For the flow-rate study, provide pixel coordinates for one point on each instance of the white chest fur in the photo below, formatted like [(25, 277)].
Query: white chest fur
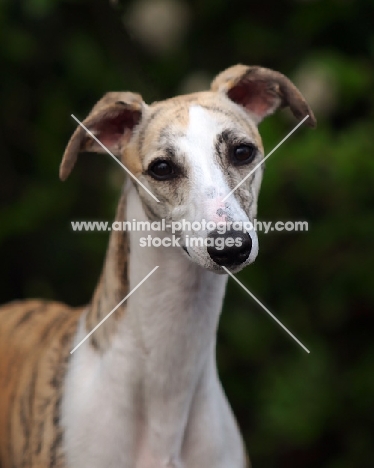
[(153, 400)]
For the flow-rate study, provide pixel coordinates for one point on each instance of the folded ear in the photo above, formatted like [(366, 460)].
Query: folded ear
[(261, 91), (112, 121)]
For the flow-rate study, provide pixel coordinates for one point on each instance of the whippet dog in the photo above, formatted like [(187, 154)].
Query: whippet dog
[(143, 391)]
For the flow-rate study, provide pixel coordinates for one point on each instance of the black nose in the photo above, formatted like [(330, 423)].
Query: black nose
[(231, 248)]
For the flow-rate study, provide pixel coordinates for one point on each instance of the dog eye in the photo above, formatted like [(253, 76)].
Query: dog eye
[(161, 170), (243, 154)]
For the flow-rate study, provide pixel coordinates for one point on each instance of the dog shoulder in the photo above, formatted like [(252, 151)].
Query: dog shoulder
[(35, 340)]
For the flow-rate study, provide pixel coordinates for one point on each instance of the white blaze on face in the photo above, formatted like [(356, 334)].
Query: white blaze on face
[(199, 148), (207, 181)]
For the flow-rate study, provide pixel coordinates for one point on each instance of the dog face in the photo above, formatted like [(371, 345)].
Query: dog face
[(191, 152), (194, 150)]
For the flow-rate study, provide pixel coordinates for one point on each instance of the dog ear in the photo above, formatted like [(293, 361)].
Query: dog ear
[(112, 121), (261, 91)]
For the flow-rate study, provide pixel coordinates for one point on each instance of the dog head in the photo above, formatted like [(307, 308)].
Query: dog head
[(191, 151)]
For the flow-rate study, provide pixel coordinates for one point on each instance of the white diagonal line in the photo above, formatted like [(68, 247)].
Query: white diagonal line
[(262, 162), (111, 154), (266, 310), (116, 307)]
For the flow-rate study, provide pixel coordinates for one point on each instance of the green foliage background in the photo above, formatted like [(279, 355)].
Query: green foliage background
[(59, 57)]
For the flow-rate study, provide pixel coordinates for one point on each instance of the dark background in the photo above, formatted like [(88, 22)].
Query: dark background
[(59, 57)]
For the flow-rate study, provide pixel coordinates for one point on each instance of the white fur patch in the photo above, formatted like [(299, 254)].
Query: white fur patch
[(158, 404), (208, 184), (198, 145)]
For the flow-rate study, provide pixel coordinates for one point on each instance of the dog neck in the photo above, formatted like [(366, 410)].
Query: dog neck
[(167, 329), (178, 282)]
